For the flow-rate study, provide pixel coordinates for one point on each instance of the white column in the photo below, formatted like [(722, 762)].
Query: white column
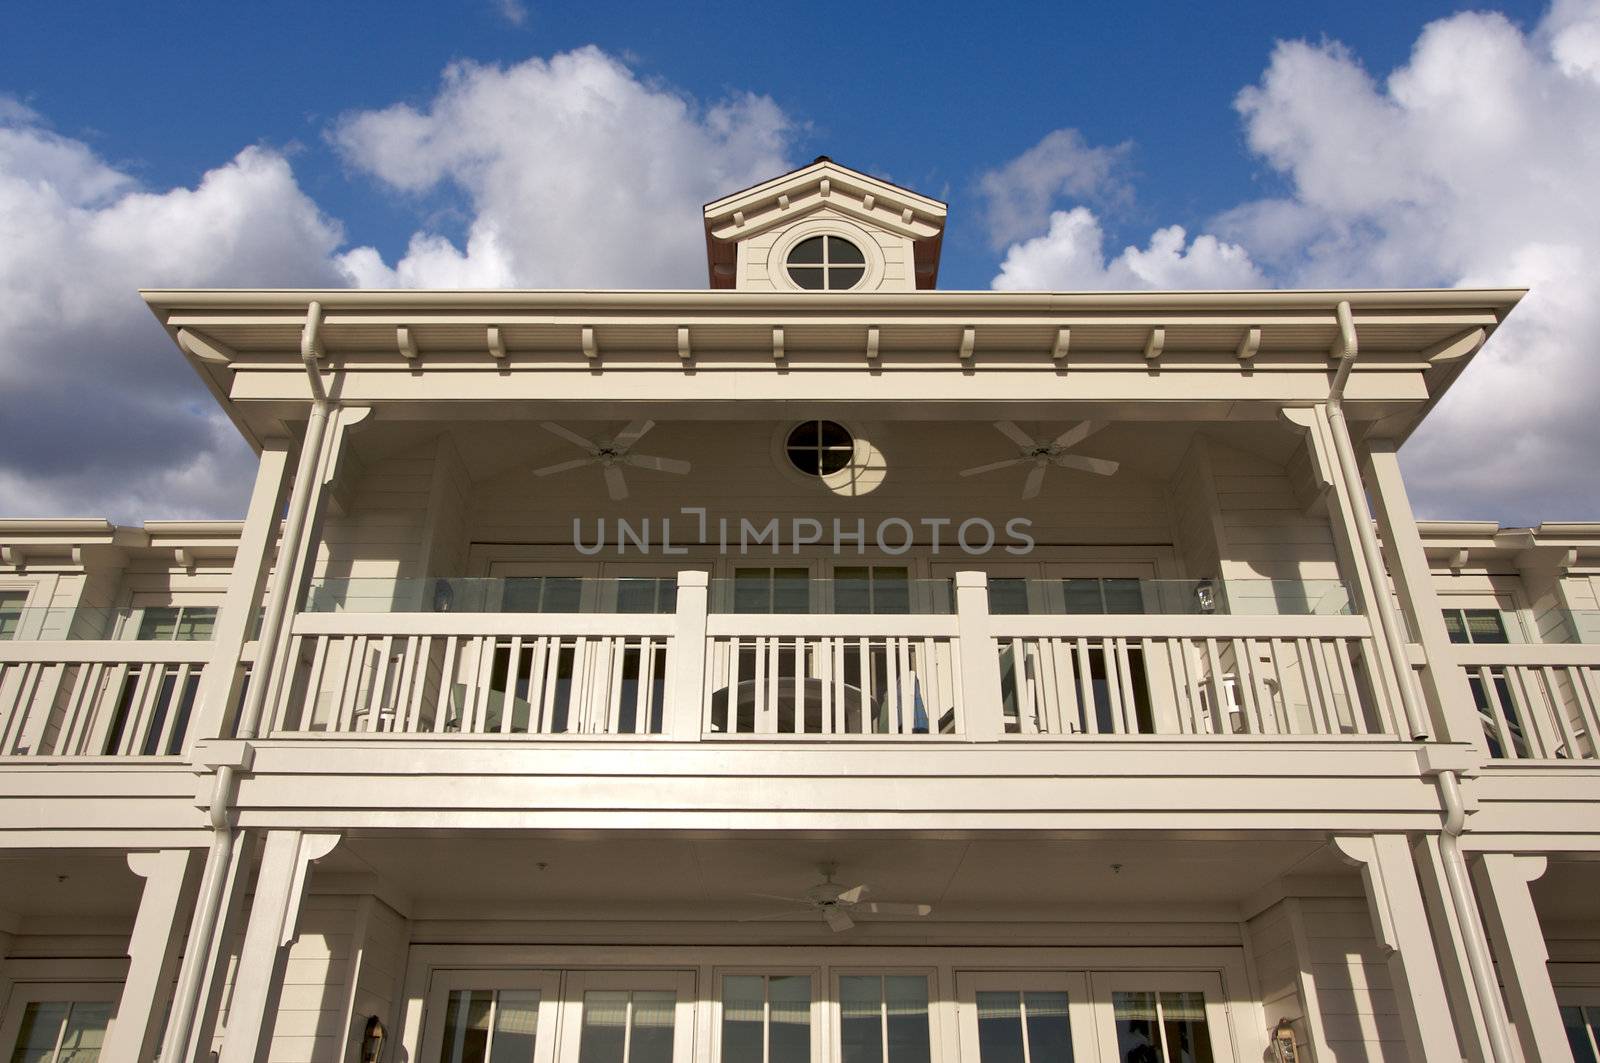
[(1452, 949), (153, 949), (1519, 951), (686, 660), (220, 682), (1400, 923), (274, 917), (1443, 683), (980, 660)]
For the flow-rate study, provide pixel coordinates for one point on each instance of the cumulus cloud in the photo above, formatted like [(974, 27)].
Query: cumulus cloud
[(1071, 255), (1018, 196), (1472, 164), (575, 173), (102, 417)]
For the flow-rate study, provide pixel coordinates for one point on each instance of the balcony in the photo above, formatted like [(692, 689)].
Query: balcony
[(101, 682), (922, 661)]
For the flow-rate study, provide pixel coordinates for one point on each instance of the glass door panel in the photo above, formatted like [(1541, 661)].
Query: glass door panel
[(885, 1018), (56, 1023), (766, 1018), (1024, 1017), (1161, 1018), (491, 1017), (627, 1017)]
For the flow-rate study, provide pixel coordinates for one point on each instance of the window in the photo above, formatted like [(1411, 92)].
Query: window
[(189, 623), (766, 1018), (1161, 1027), (1476, 626), (61, 1031), (490, 1024), (771, 590), (820, 448), (826, 263), (627, 1026), (884, 1019), (872, 589), (11, 613), (1583, 1031), (1105, 596)]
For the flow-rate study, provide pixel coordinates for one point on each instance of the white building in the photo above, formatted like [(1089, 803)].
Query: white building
[(1071, 662)]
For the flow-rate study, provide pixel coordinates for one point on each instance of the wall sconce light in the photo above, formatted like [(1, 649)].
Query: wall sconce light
[(1285, 1049), (372, 1040)]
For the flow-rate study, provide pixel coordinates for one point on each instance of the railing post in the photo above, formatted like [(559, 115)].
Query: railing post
[(686, 659), (979, 655)]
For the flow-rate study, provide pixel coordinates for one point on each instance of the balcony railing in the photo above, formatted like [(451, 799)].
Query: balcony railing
[(1536, 702), (869, 659), (73, 698)]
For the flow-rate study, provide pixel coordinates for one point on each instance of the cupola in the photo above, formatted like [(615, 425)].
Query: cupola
[(824, 228)]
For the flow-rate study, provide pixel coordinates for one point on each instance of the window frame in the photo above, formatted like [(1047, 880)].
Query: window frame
[(445, 982), (825, 264), (1081, 1013), (864, 240), (836, 1013), (24, 993), (819, 1006)]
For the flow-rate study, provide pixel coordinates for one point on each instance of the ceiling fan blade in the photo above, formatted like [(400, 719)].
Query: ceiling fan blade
[(649, 461), (1077, 434), (852, 895), (1099, 466), (1035, 480), (563, 466), (1016, 435), (632, 434), (992, 466), (616, 484), (896, 908), (837, 920), (570, 436)]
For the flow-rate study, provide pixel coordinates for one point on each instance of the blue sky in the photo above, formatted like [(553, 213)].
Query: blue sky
[(1137, 145), (931, 96)]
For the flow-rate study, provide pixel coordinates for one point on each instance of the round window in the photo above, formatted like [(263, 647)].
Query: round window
[(819, 448), (826, 263)]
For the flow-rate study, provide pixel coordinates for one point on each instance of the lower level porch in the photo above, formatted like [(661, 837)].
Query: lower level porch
[(799, 947)]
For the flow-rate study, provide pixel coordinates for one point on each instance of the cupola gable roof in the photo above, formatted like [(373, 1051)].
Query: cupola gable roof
[(752, 235)]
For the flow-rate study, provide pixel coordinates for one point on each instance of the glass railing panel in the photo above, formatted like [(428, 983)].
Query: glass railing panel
[(152, 624), (782, 591), (1075, 596), (510, 594)]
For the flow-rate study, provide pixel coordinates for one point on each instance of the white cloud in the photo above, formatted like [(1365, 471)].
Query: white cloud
[(101, 416), (1018, 195), (1473, 164), (513, 11), (576, 172), (1071, 256)]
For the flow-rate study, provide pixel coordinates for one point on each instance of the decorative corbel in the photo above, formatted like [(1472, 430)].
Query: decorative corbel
[(1063, 340), (685, 352), (1154, 344), (872, 343), (497, 343), (406, 342), (15, 556), (969, 340), (590, 349), (777, 343), (869, 201), (205, 348), (1457, 347), (1249, 344)]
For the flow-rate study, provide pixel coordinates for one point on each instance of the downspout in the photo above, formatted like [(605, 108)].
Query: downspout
[(1484, 984), (1388, 620), (224, 837)]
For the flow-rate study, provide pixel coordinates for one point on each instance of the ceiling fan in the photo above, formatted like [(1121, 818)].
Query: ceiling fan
[(611, 455), (837, 904), (1044, 455)]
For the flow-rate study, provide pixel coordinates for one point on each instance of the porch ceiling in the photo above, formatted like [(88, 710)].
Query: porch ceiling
[(683, 877)]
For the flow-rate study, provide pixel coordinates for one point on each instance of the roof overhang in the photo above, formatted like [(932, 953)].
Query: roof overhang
[(1149, 351)]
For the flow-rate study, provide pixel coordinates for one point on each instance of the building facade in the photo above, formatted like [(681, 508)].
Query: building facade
[(816, 668)]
